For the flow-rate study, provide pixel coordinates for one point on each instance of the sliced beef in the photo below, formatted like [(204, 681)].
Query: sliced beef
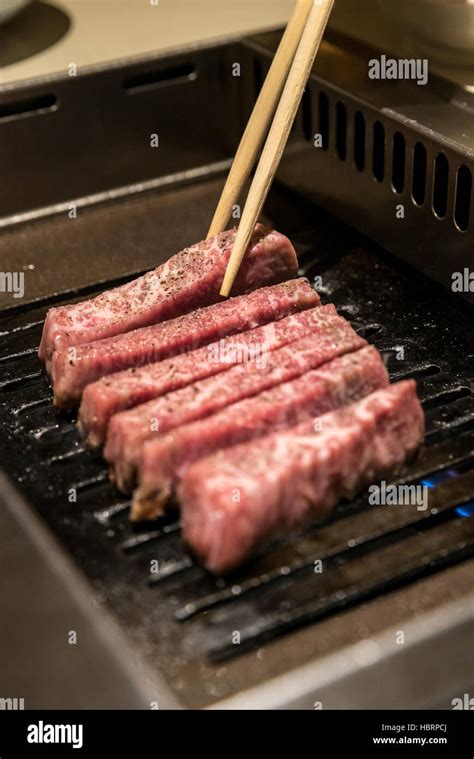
[(72, 369), (129, 430), (190, 279), (236, 499), (165, 460), (125, 390)]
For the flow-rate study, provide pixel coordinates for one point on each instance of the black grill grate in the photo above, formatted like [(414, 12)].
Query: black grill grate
[(179, 614)]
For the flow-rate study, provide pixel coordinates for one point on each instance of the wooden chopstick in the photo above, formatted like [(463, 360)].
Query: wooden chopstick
[(262, 114), (278, 135)]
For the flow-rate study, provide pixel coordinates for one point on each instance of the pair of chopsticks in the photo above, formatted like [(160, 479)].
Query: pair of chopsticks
[(280, 95)]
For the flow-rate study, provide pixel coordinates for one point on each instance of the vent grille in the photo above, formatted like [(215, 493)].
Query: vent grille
[(338, 124)]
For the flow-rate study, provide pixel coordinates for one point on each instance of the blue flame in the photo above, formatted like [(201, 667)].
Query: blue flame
[(467, 510), (437, 479)]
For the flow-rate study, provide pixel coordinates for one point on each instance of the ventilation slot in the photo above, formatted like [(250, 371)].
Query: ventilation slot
[(257, 77), (440, 186), (152, 80), (463, 198), (341, 131), (29, 107), (359, 141), (378, 157), (307, 120), (324, 119), (418, 189), (398, 162)]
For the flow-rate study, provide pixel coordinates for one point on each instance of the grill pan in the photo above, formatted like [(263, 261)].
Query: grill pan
[(383, 566), (180, 616)]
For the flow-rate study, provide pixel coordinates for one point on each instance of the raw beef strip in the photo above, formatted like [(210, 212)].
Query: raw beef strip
[(129, 430), (286, 478), (127, 389), (72, 369), (190, 279), (164, 461)]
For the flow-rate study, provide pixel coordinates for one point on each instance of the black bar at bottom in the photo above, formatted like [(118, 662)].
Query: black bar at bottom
[(132, 733)]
